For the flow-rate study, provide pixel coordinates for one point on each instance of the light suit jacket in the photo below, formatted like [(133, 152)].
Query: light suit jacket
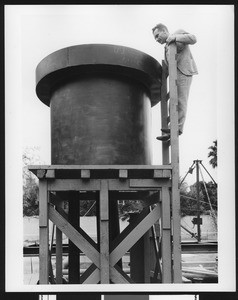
[(185, 61)]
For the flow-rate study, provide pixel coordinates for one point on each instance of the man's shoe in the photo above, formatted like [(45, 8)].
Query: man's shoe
[(164, 137), (165, 130)]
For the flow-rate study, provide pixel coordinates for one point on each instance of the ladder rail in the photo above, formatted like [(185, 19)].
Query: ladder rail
[(170, 153)]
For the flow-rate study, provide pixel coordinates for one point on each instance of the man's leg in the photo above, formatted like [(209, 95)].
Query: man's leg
[(184, 83)]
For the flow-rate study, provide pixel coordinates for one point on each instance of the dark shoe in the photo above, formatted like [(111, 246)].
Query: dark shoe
[(164, 137), (165, 130)]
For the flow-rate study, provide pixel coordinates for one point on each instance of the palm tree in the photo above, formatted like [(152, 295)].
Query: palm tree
[(213, 154)]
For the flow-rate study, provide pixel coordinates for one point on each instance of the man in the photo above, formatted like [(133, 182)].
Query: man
[(186, 68)]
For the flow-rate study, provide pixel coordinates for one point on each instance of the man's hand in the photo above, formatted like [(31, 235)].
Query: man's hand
[(171, 38)]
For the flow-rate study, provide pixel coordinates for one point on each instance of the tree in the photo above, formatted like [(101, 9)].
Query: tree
[(213, 154), (30, 182), (207, 197)]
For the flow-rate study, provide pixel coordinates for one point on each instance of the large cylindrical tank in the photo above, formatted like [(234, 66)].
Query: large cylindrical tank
[(100, 98)]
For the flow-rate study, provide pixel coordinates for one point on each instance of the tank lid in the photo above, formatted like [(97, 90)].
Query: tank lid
[(98, 58)]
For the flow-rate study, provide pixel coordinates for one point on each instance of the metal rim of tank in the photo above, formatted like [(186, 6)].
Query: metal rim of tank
[(98, 58)]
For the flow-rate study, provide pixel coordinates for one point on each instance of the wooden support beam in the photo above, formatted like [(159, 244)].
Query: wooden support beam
[(50, 174), (85, 174), (76, 237), (140, 252), (59, 248), (91, 275), (74, 254), (74, 185), (118, 276), (164, 111), (104, 233), (149, 183), (138, 184), (56, 200), (132, 234), (44, 233), (166, 238), (123, 173), (177, 271), (158, 173)]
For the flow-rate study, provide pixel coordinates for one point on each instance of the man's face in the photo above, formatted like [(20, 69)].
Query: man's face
[(160, 36)]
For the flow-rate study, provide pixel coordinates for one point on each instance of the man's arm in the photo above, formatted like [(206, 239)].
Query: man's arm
[(185, 38), (182, 36)]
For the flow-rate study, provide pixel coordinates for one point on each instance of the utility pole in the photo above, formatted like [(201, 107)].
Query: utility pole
[(198, 221)]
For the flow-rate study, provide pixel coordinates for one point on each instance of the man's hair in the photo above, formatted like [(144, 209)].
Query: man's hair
[(160, 27)]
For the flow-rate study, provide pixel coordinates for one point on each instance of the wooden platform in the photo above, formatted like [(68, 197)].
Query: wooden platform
[(99, 183)]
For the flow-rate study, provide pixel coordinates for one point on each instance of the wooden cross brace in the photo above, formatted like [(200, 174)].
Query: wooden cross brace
[(104, 266)]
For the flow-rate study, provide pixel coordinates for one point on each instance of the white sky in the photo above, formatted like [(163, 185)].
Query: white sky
[(33, 32)]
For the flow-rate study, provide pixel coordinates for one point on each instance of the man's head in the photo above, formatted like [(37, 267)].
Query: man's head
[(161, 33)]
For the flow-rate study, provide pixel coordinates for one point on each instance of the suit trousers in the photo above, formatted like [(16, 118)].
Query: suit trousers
[(183, 87)]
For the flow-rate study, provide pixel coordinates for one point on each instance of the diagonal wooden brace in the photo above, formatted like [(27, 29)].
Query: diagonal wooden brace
[(134, 234), (75, 236)]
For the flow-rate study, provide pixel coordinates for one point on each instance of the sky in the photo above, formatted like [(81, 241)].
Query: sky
[(32, 32)]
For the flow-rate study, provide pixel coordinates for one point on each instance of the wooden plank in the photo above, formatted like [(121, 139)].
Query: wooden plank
[(166, 238), (91, 275), (146, 242), (59, 249), (43, 203), (59, 256), (123, 173), (167, 173), (134, 235), (76, 237), (177, 272), (97, 167), (104, 233), (74, 254), (137, 184), (74, 185), (50, 174), (130, 195), (149, 183), (44, 255), (43, 234), (164, 111), (41, 174), (158, 173), (134, 222), (85, 173), (118, 276)]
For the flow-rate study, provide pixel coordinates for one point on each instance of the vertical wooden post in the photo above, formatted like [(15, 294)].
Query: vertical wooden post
[(74, 253), (146, 241), (166, 237), (140, 257), (44, 233), (114, 223), (104, 233), (164, 111), (59, 245), (177, 272)]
